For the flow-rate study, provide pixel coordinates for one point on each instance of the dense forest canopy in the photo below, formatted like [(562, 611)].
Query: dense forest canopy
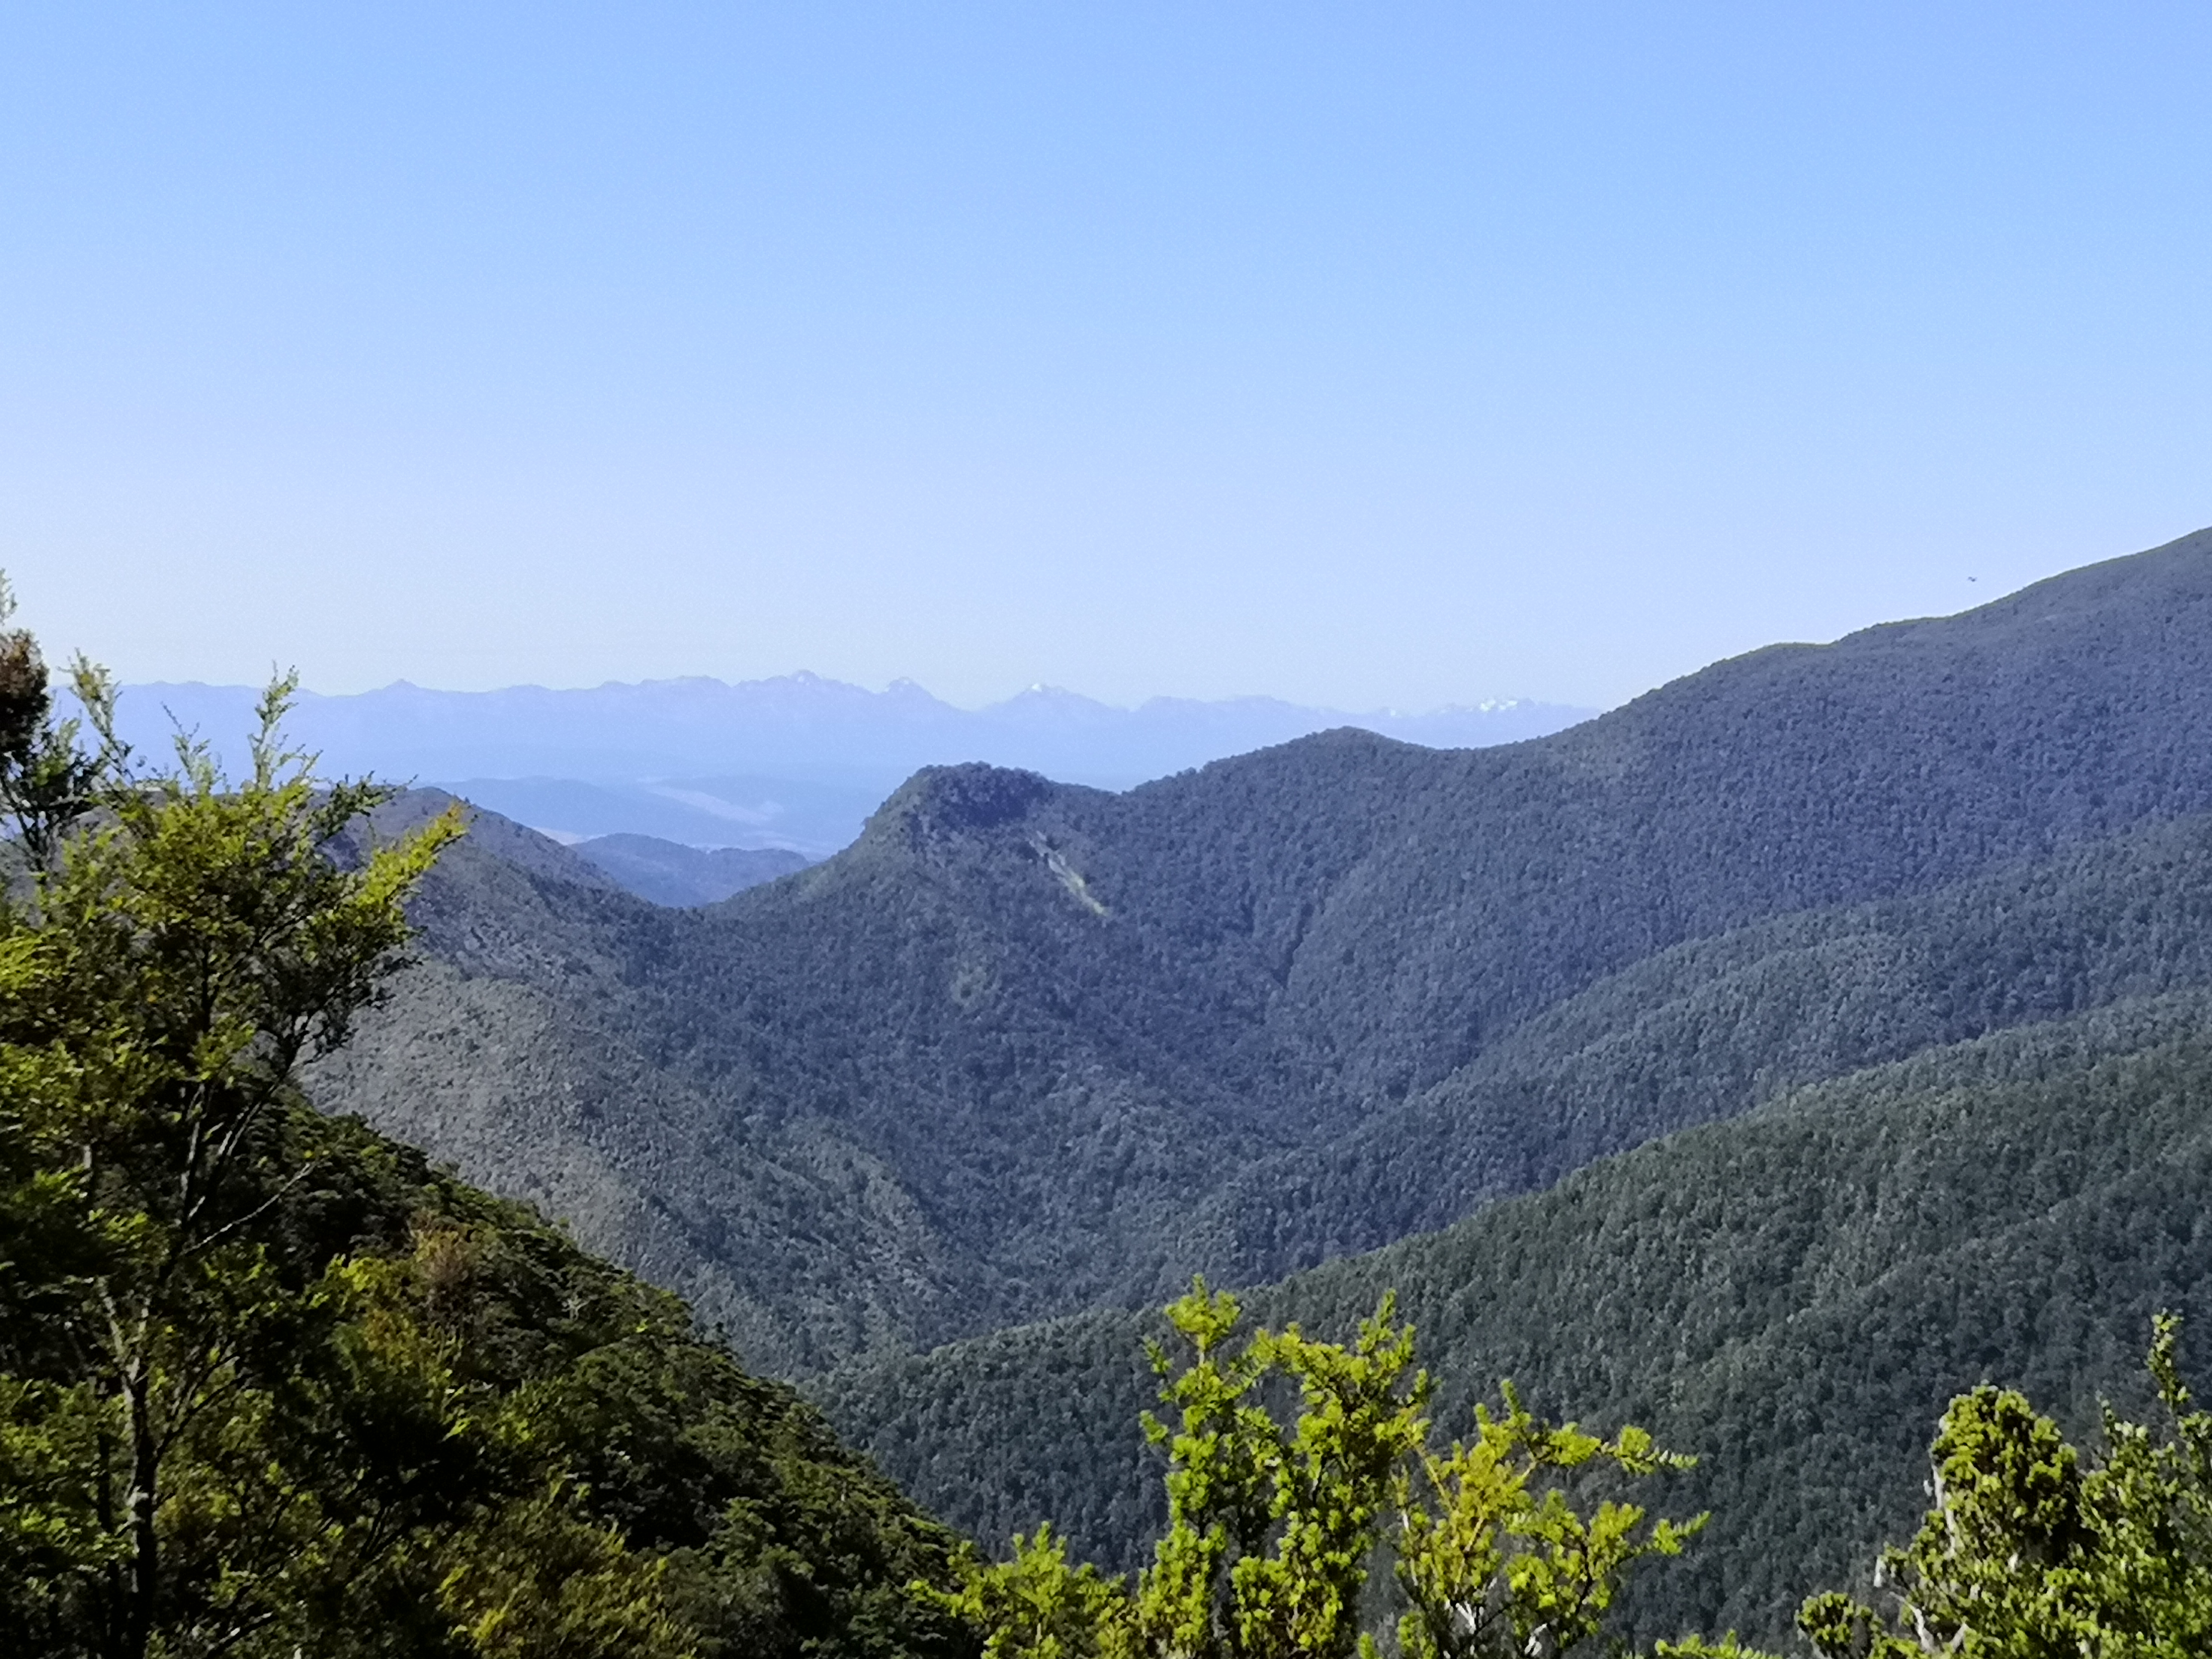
[(1312, 1512), (1790, 1296)]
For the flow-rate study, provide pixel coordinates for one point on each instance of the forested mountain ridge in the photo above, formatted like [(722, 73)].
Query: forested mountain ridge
[(525, 1046), (1007, 1055), (1710, 1028), (1791, 1296)]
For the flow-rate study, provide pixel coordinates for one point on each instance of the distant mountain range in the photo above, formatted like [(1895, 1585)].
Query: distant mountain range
[(794, 762)]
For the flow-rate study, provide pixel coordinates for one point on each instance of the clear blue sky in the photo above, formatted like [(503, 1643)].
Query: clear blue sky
[(1365, 354)]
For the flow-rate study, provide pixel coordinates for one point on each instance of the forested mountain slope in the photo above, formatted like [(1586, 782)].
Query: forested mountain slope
[(1710, 1028), (1792, 1296), (1009, 1054), (770, 1537), (529, 1048)]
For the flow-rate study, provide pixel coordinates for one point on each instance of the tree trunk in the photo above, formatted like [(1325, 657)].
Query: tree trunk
[(145, 1546), (111, 1604)]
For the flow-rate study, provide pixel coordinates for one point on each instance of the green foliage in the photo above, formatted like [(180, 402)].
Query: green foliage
[(186, 943), (1269, 1534), (268, 1384), (1791, 1296), (2032, 1549), (1505, 1567), (1273, 1530), (48, 779), (1038, 1606)]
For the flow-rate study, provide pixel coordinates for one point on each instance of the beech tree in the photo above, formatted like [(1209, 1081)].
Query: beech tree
[(180, 944), (207, 1445), (1278, 1515), (2033, 1548)]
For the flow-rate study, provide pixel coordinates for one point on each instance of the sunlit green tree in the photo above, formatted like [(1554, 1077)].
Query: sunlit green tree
[(211, 1441), (1294, 1467), (2033, 1548)]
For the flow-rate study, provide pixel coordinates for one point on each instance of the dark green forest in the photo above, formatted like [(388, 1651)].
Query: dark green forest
[(1791, 1296), (1709, 1029), (577, 1415)]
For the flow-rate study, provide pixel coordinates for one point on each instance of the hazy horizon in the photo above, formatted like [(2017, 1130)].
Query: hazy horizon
[(794, 762), (880, 689)]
